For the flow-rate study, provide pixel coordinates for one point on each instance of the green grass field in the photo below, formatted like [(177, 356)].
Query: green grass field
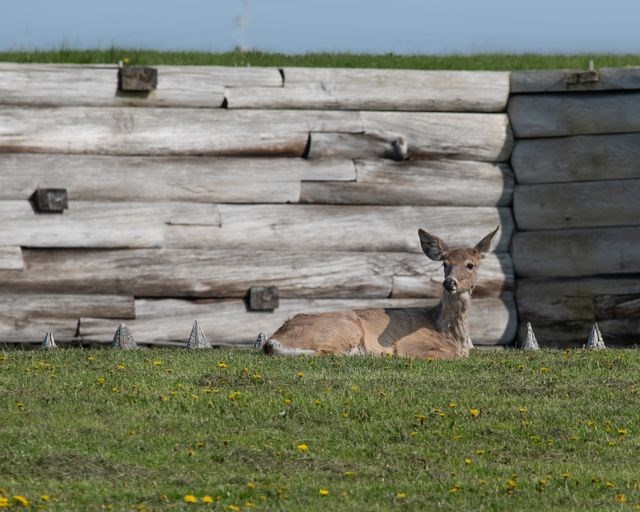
[(231, 429), (471, 62)]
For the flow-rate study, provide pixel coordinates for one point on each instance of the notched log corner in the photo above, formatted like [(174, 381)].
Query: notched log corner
[(139, 80)]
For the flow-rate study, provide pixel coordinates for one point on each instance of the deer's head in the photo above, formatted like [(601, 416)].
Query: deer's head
[(460, 264)]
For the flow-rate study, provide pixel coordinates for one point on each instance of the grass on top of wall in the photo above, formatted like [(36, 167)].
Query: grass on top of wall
[(495, 61), (233, 430)]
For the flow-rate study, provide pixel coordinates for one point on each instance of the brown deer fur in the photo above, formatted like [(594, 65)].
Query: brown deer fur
[(438, 332)]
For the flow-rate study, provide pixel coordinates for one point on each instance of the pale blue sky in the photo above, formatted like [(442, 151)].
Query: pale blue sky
[(299, 26)]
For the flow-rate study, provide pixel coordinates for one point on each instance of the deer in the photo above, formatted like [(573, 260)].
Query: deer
[(438, 332)]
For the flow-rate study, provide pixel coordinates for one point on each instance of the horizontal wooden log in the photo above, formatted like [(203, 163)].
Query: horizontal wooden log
[(576, 252), (421, 183), (574, 334), (484, 137), (577, 205), (167, 131), (343, 227), (33, 328), (493, 321), (560, 80), (555, 115), (618, 306), (192, 179), (347, 145), (22, 307), (580, 158), (101, 225), (185, 86), (375, 89), (230, 273), (11, 258), (495, 277), (590, 299)]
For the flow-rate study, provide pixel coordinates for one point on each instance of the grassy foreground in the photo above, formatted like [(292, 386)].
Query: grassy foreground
[(234, 430), (498, 61)]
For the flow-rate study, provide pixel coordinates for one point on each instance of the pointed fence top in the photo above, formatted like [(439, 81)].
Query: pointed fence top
[(49, 342), (197, 338), (595, 340), (260, 341), (530, 342), (123, 339)]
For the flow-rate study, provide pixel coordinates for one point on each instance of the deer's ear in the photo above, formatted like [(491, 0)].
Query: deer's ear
[(484, 245), (432, 246)]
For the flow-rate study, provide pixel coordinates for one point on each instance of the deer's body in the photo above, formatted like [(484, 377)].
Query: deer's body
[(438, 332)]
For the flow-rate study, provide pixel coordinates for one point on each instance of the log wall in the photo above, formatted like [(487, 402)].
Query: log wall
[(182, 199), (576, 204)]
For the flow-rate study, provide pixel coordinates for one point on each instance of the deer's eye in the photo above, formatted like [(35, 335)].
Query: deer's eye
[(470, 266)]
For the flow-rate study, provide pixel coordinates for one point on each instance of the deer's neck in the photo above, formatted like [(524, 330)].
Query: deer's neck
[(451, 317)]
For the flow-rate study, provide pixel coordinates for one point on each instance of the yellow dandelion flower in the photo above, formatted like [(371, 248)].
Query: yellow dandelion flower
[(610, 485), (232, 508), (251, 485), (480, 451), (522, 409), (544, 369), (222, 364), (622, 431), (100, 381), (157, 363), (511, 483), (300, 374), (125, 61), (190, 498), (21, 500), (288, 401), (249, 504), (4, 502), (45, 497), (455, 489), (621, 498), (304, 448), (91, 359), (348, 473), (121, 366), (355, 388), (207, 499), (19, 405), (468, 461), (566, 474), (324, 492), (453, 405), (401, 495), (474, 412), (234, 395)]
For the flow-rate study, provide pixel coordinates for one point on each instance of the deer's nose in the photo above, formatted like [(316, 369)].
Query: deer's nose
[(450, 284)]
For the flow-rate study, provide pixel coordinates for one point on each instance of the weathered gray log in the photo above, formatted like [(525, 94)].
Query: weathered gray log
[(123, 339), (343, 227), (22, 307), (49, 342), (560, 80), (375, 89), (193, 179), (580, 158), (197, 338), (618, 333), (410, 280), (595, 341), (30, 328), (421, 182), (493, 321), (530, 342), (484, 137), (555, 115), (617, 306), (170, 131), (577, 205), (348, 145), (101, 225), (11, 258), (230, 273), (579, 252), (46, 85), (589, 299)]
